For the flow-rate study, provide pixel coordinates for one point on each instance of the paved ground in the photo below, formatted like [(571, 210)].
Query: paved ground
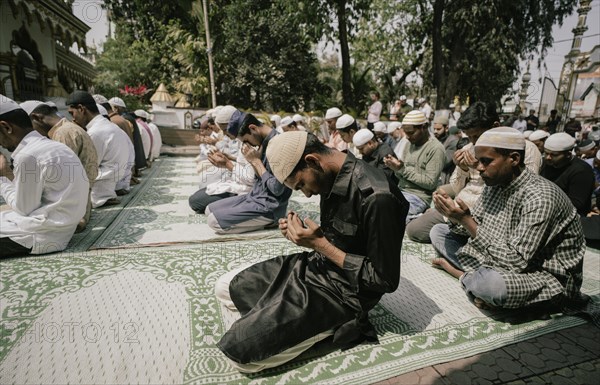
[(570, 356)]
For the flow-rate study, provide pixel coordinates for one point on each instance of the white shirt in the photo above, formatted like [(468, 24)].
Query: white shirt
[(125, 182), (374, 112), (426, 109), (453, 118), (520, 125), (48, 195), (400, 147), (113, 148), (147, 138), (157, 142), (240, 180)]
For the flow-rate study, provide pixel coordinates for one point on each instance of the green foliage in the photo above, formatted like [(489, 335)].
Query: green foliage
[(337, 20), (169, 55), (264, 49), (395, 43), (475, 54), (263, 59), (143, 19), (125, 61), (481, 58)]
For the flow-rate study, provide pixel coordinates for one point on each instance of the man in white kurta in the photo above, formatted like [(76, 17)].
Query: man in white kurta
[(47, 189), (114, 153), (112, 146), (146, 137), (157, 142)]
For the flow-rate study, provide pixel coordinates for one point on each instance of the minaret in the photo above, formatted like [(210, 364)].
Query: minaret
[(523, 93), (566, 84)]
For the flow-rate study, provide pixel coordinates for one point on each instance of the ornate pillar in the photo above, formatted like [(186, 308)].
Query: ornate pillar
[(566, 85), (523, 93)]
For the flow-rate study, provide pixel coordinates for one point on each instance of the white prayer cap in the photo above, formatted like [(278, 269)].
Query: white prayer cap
[(362, 136), (440, 119), (284, 153), (451, 105), (116, 101), (99, 99), (298, 118), (102, 110), (7, 105), (344, 121), (333, 113), (414, 118), (403, 97), (586, 145), (51, 104), (141, 114), (502, 137), (30, 105), (275, 118), (559, 142), (224, 114), (538, 134), (379, 127), (286, 121), (421, 100), (393, 126), (527, 133)]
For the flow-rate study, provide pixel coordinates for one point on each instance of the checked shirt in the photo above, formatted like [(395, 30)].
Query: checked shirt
[(531, 234)]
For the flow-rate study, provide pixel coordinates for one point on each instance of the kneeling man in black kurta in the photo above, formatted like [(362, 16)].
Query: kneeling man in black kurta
[(291, 302)]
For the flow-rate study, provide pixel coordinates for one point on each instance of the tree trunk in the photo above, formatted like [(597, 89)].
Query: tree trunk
[(439, 77), (343, 36)]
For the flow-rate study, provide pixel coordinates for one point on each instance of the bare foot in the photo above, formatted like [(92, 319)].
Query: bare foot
[(482, 304), (444, 264)]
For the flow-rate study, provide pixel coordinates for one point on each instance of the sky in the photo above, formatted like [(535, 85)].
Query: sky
[(91, 12)]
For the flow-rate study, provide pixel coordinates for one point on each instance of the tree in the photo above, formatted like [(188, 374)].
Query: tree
[(155, 42), (458, 47), (324, 15), (263, 58), (393, 42), (480, 59), (142, 19)]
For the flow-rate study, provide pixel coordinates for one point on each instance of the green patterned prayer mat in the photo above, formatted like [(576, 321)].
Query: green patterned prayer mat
[(102, 217), (159, 214), (149, 315)]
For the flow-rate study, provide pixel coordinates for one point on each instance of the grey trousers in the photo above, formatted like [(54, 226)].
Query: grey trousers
[(418, 229)]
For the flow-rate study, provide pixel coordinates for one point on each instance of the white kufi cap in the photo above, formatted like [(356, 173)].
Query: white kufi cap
[(286, 121), (344, 121), (559, 142), (538, 134), (362, 136), (284, 153), (30, 105), (223, 115), (379, 127), (116, 101), (333, 113), (7, 105), (502, 137)]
